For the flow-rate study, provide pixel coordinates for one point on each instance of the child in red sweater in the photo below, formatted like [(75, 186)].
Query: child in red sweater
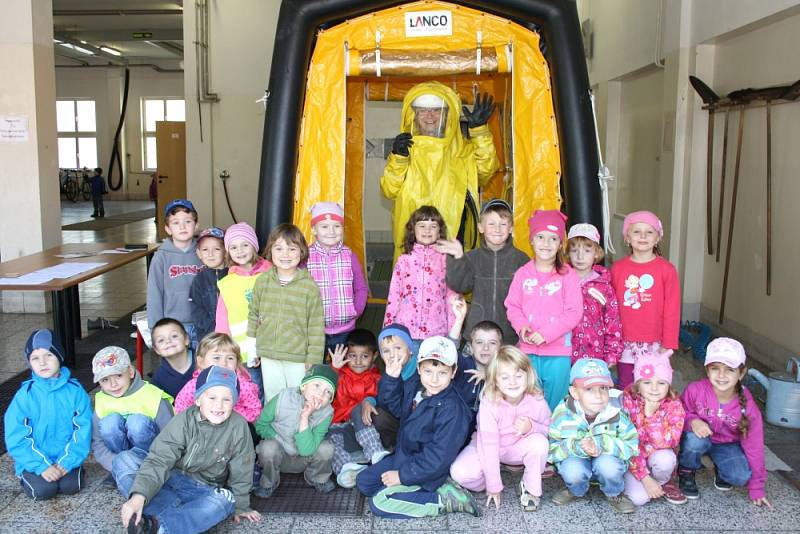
[(355, 444), (648, 291)]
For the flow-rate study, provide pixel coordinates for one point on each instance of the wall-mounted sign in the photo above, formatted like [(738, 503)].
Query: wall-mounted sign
[(13, 129), (427, 23), (142, 35)]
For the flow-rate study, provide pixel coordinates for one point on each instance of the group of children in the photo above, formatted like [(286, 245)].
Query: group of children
[(545, 343)]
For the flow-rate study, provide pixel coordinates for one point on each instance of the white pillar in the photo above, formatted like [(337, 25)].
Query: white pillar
[(30, 211)]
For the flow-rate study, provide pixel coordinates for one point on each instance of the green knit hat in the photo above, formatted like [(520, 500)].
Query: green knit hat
[(322, 372)]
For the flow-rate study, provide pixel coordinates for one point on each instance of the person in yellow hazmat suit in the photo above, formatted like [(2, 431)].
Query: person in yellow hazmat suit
[(433, 163)]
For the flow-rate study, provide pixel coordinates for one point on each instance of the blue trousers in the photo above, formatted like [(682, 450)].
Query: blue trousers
[(396, 502), (331, 340), (732, 464), (183, 504), (122, 433), (258, 380), (606, 469), (39, 489), (553, 373)]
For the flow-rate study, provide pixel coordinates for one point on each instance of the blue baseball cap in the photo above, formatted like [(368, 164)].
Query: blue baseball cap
[(44, 339), (217, 376), (590, 372), (213, 231), (178, 203)]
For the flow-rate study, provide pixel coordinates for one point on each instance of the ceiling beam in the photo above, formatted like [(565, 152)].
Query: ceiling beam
[(119, 36)]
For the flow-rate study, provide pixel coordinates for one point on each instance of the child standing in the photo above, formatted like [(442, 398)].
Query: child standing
[(337, 272), (486, 271), (723, 421), (293, 425), (173, 269), (591, 437), (599, 333), (657, 413), (544, 304), (204, 292), (285, 316), (358, 385), (647, 286), (48, 424), (236, 293), (199, 469), (418, 295), (412, 482), (220, 350), (513, 422), (128, 412), (98, 185), (171, 342)]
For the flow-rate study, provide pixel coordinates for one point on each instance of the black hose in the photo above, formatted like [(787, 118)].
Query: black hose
[(115, 156)]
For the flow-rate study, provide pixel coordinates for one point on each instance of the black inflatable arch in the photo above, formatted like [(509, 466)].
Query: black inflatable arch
[(298, 22)]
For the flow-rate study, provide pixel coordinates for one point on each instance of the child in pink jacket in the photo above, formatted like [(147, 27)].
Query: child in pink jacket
[(657, 413), (418, 294), (220, 349), (513, 420), (599, 333), (544, 304)]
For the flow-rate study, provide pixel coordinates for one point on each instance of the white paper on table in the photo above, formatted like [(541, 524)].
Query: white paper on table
[(30, 279), (73, 255), (68, 269), (115, 251)]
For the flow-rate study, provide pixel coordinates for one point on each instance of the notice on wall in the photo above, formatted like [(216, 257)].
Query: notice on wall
[(13, 129)]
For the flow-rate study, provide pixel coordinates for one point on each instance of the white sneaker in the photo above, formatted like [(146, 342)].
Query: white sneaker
[(380, 455), (530, 502), (347, 476)]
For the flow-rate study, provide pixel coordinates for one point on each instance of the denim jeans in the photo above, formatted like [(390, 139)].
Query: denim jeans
[(732, 464), (122, 433), (183, 504), (608, 470)]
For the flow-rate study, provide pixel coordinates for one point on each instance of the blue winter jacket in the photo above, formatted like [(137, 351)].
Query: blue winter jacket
[(430, 436), (203, 296), (49, 421)]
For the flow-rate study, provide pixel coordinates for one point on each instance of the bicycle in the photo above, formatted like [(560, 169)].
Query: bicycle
[(72, 188)]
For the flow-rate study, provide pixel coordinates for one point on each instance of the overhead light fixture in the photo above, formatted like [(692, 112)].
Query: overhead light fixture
[(83, 42), (109, 50), (77, 48), (56, 41)]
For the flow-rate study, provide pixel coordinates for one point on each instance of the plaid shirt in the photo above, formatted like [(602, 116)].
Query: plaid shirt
[(332, 270)]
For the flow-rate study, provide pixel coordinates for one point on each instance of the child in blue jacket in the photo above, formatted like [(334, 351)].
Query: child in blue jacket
[(434, 419), (48, 424)]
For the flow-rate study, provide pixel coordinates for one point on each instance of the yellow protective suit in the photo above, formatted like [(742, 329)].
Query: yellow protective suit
[(438, 171)]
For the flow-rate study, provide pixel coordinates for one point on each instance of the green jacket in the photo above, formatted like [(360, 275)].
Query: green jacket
[(287, 321), (280, 420), (218, 455)]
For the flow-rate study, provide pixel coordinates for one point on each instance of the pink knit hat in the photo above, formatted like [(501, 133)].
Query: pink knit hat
[(647, 217), (725, 350), (241, 230), (653, 366), (326, 211), (548, 221)]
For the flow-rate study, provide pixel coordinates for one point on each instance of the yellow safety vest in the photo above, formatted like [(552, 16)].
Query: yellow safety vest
[(145, 401), (237, 292)]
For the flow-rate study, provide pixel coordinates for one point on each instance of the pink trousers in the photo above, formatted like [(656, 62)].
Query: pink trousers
[(662, 463), (530, 451)]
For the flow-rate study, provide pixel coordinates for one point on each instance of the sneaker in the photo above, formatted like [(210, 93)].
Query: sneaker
[(530, 503), (621, 504), (347, 476), (512, 468), (720, 484), (264, 492), (564, 497), (549, 471), (688, 485), (147, 525), (454, 498), (378, 456), (322, 487), (673, 494)]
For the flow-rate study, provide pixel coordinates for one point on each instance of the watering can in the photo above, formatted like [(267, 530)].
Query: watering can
[(783, 394)]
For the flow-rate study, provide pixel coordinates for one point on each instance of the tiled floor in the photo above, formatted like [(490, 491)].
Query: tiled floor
[(96, 508)]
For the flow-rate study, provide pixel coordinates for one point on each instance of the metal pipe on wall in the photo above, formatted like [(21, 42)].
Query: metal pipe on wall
[(201, 44)]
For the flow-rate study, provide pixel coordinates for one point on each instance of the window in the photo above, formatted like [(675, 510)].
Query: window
[(154, 110), (77, 134)]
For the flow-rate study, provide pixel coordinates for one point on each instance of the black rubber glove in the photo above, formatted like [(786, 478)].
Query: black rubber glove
[(481, 111), (401, 144)]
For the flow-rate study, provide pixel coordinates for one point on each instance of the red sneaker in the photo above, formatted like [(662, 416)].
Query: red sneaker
[(673, 494)]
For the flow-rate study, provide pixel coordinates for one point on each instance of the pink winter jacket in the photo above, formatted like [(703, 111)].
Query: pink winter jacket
[(700, 402), (662, 430), (496, 431), (418, 295), (599, 333), (261, 266), (548, 303), (248, 405)]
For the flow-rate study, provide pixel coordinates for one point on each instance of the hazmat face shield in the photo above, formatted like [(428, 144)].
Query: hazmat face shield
[(430, 116)]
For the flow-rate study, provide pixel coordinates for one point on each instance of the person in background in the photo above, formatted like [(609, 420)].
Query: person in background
[(98, 186)]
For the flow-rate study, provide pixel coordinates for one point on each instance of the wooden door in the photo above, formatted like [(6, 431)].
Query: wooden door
[(171, 161)]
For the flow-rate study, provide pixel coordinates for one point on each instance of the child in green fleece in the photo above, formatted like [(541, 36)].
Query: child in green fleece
[(293, 425)]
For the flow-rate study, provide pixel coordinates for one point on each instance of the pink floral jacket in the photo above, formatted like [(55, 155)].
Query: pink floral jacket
[(418, 294), (599, 334), (248, 405), (662, 430)]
